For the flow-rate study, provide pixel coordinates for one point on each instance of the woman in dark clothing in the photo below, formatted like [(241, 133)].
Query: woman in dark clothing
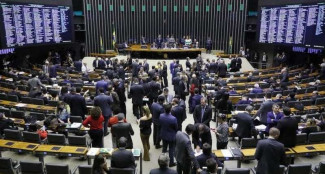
[(95, 122), (145, 131), (100, 165)]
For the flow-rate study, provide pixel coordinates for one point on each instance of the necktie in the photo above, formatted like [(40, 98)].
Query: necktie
[(202, 114)]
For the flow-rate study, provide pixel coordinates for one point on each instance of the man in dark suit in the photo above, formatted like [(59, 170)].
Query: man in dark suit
[(135, 66), (245, 126), (238, 63), (207, 153), (257, 89), (183, 151), (120, 90), (102, 84), (273, 117), (222, 69), (155, 90), (188, 64), (201, 135), (104, 102), (178, 112), (288, 127), (78, 65), (52, 71), (122, 158), (137, 94), (96, 63), (195, 100), (233, 62), (213, 66), (163, 161), (156, 110), (145, 65), (182, 87), (77, 103), (122, 129), (266, 107), (164, 74), (270, 154), (202, 113), (175, 82), (284, 78), (168, 129)]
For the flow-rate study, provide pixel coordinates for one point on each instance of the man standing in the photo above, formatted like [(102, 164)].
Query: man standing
[(102, 84), (202, 113), (195, 100), (104, 102), (245, 126), (77, 103), (137, 94), (122, 129), (156, 110), (164, 74), (168, 97), (273, 117), (222, 69), (183, 152), (168, 129), (155, 90), (238, 63), (265, 107), (270, 154), (201, 135), (178, 112), (288, 127), (120, 90), (208, 45)]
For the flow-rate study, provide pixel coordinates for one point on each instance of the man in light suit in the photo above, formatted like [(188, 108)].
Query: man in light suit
[(46, 68), (163, 161), (104, 102), (266, 107), (270, 154), (122, 158), (273, 117), (137, 94), (245, 126), (202, 113), (168, 129), (122, 129), (184, 153)]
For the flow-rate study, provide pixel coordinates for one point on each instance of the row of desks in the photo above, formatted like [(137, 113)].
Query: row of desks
[(248, 154), (24, 106)]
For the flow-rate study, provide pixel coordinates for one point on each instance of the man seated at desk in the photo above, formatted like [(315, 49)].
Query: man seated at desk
[(163, 162), (207, 153), (5, 123), (257, 89), (122, 158), (244, 100)]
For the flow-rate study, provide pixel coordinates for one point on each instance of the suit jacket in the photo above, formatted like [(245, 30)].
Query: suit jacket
[(207, 115), (101, 84), (122, 158), (77, 105), (46, 69), (188, 64), (78, 65), (135, 68), (181, 89), (288, 127), (179, 113), (271, 123), (200, 139), (245, 125), (238, 63), (163, 171), (168, 127), (233, 64), (104, 102), (175, 82), (196, 99), (270, 155), (137, 94), (123, 130), (202, 159), (168, 98), (154, 90), (156, 111), (264, 109), (257, 91), (96, 64), (213, 67), (183, 151), (222, 70)]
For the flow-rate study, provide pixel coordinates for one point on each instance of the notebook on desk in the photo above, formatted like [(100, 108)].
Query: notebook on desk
[(136, 152)]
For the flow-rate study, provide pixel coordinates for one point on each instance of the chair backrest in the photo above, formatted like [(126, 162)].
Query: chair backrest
[(251, 95), (321, 88), (38, 116), (77, 141), (3, 96), (248, 143), (274, 93), (6, 166), (307, 102), (85, 169), (299, 169), (310, 90), (286, 92), (52, 103), (76, 119), (301, 91), (12, 135), (57, 168), (322, 167), (260, 95), (237, 171), (301, 139), (6, 111), (18, 114), (31, 137), (56, 139), (13, 98), (316, 116), (241, 107), (31, 167), (122, 170), (37, 101), (316, 137), (297, 117), (26, 100), (320, 101), (292, 104)]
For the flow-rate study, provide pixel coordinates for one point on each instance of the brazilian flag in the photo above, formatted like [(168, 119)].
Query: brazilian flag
[(102, 49), (114, 37), (230, 45)]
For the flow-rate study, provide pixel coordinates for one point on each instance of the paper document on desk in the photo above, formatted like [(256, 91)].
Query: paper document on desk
[(226, 153), (10, 79), (136, 152), (92, 151), (260, 127), (106, 151), (234, 126), (197, 153), (20, 105), (75, 125)]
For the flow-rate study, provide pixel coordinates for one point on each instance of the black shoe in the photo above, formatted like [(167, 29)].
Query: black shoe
[(172, 164), (158, 146)]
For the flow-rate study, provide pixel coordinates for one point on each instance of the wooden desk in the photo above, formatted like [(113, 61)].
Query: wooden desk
[(17, 146), (74, 151), (303, 149), (104, 55), (7, 90), (42, 108), (250, 153)]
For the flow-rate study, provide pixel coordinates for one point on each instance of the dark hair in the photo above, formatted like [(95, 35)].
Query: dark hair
[(122, 142), (78, 89), (95, 113), (286, 111), (292, 95), (223, 117), (196, 91), (64, 90), (101, 90), (211, 164), (98, 161), (206, 149), (225, 97), (168, 108), (161, 99), (190, 128), (268, 95)]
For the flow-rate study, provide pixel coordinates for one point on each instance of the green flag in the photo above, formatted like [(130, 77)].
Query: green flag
[(230, 45), (102, 50)]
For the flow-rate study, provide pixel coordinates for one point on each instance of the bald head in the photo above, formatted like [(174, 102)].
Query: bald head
[(274, 132)]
